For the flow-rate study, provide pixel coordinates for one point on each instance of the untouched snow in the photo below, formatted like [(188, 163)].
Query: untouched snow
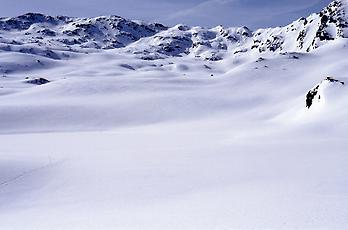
[(113, 141), (184, 150), (173, 176)]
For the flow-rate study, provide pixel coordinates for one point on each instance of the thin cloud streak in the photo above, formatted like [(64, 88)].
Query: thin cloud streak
[(252, 13)]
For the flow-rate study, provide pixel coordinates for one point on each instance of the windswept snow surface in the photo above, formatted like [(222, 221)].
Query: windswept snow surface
[(113, 141)]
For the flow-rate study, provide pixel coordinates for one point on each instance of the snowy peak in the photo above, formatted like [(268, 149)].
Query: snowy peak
[(305, 34)]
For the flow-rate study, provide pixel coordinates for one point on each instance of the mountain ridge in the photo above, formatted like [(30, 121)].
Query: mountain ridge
[(57, 37)]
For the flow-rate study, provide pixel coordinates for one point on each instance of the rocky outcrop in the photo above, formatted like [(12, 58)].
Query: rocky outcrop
[(318, 92), (37, 81)]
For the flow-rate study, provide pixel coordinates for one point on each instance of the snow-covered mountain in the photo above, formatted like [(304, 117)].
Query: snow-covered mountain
[(108, 123), (39, 34), (55, 37), (306, 34)]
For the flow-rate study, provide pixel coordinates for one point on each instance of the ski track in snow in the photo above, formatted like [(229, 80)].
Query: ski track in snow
[(22, 175)]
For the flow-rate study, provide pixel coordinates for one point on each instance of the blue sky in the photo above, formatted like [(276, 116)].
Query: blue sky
[(252, 13)]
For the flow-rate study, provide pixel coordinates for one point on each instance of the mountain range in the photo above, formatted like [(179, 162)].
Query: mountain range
[(56, 37)]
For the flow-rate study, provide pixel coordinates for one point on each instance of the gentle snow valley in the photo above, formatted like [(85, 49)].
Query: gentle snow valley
[(108, 123)]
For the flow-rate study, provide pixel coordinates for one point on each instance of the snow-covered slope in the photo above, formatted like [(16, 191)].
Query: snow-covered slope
[(140, 126)]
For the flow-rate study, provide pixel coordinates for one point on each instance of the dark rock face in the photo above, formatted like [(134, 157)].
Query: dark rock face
[(310, 96), (300, 38), (330, 79), (38, 81), (272, 44), (322, 34), (313, 93)]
